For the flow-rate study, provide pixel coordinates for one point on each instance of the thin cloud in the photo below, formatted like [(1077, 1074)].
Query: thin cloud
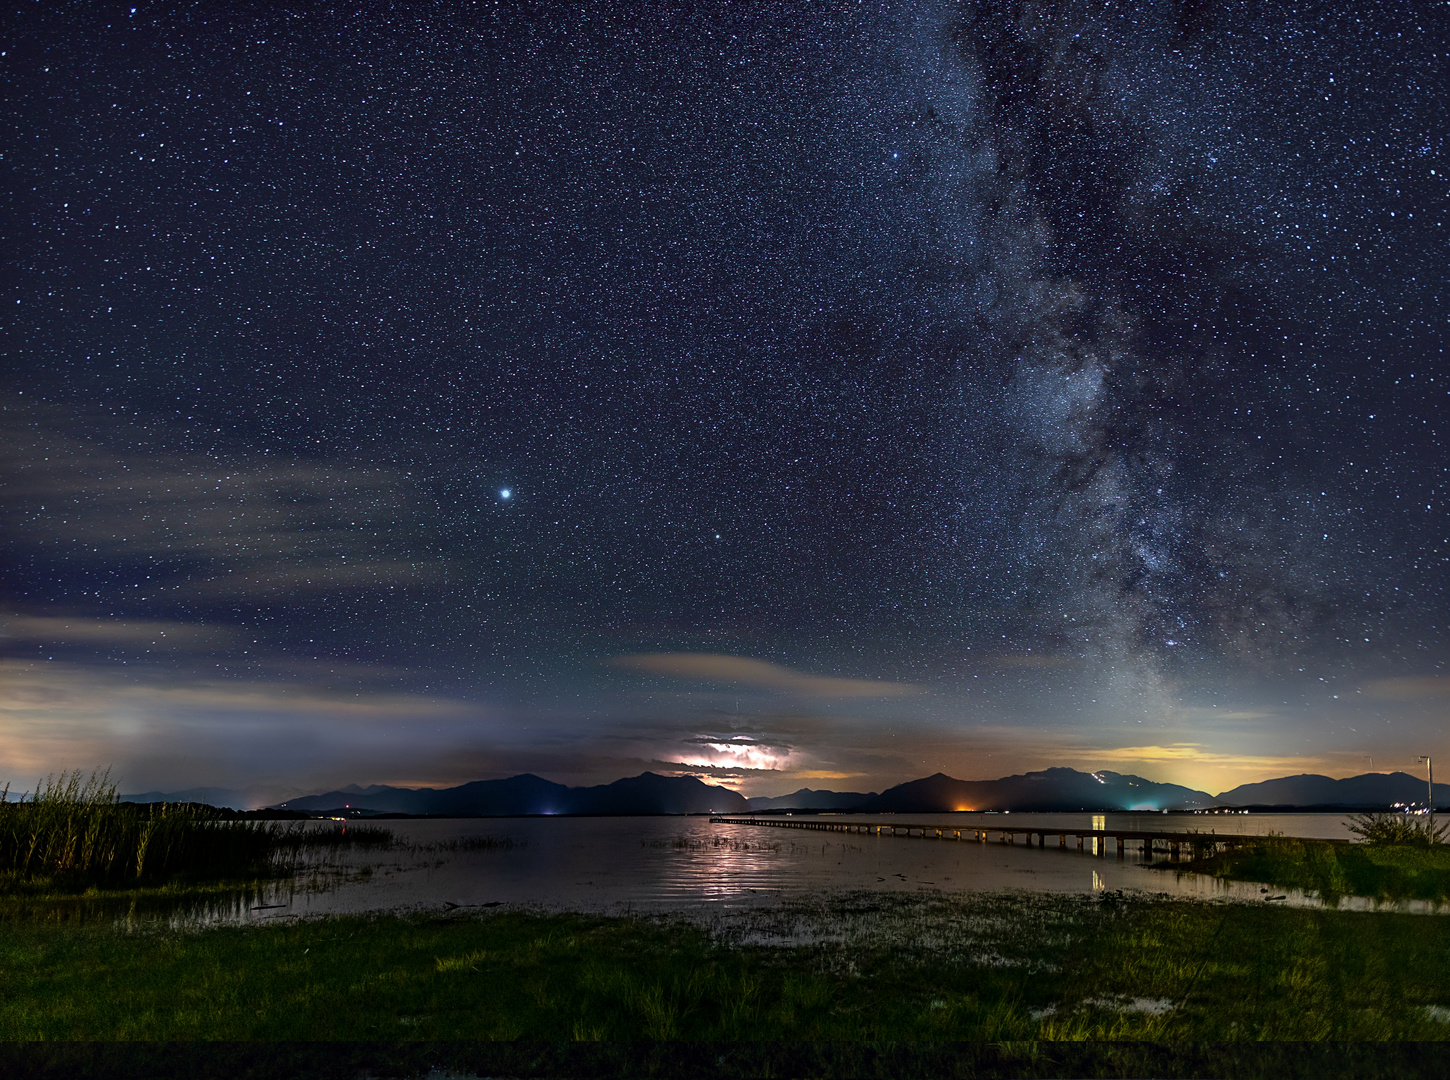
[(740, 670), (251, 525), (323, 575), (49, 694), (170, 733), (1197, 713), (1409, 688), (704, 769), (62, 630), (820, 774), (1196, 754), (778, 776)]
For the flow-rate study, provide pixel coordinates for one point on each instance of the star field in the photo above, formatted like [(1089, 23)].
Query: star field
[(1077, 370)]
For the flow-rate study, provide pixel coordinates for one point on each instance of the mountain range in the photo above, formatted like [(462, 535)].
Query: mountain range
[(649, 793), (1049, 789), (227, 798), (1308, 789)]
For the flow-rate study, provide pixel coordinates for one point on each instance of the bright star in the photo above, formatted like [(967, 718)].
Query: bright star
[(505, 493)]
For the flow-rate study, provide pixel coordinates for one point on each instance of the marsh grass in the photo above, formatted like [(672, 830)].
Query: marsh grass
[(1396, 830), (355, 836), (1016, 968), (73, 835), (1382, 871)]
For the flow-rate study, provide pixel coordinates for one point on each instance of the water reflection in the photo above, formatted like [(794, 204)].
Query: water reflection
[(170, 910), (613, 865)]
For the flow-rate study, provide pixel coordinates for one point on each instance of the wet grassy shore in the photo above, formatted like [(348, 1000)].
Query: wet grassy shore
[(1379, 871), (858, 971)]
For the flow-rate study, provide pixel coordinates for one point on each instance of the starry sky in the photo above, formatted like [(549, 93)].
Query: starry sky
[(814, 394)]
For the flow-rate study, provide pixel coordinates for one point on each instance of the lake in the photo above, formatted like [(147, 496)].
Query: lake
[(662, 864)]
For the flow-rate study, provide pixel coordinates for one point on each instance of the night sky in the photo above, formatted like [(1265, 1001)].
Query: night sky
[(819, 394)]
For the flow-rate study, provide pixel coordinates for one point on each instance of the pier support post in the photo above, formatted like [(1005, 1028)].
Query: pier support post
[(1173, 850), (1062, 841), (1120, 847), (1079, 841)]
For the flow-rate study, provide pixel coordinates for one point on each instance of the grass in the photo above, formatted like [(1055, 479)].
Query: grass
[(74, 836), (1400, 830), (1384, 871), (362, 836), (884, 970)]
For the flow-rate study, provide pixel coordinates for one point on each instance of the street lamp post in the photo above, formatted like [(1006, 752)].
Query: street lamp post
[(1430, 773)]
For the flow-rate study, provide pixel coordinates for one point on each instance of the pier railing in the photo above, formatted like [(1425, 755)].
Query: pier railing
[(1147, 842)]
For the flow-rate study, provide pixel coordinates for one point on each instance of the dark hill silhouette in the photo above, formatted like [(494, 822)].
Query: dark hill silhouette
[(224, 798), (1048, 790), (1310, 789), (648, 793), (807, 799)]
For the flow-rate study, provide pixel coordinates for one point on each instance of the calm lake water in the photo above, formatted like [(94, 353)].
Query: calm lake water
[(663, 864)]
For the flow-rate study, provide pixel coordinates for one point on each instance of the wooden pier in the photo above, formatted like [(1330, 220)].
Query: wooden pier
[(1095, 841)]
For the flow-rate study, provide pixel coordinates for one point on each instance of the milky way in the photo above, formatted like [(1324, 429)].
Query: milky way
[(1074, 371)]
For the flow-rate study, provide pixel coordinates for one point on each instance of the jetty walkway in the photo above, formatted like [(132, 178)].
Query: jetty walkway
[(1094, 841)]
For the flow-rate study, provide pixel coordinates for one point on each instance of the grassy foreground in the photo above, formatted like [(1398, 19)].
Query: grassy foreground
[(996, 968), (1386, 872)]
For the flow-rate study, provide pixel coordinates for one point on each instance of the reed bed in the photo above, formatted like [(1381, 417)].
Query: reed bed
[(361, 836), (73, 834), (1380, 868)]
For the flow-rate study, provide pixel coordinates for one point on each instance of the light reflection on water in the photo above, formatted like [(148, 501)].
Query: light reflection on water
[(660, 864), (651, 864)]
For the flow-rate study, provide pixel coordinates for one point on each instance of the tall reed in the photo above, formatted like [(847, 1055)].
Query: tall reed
[(73, 833)]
